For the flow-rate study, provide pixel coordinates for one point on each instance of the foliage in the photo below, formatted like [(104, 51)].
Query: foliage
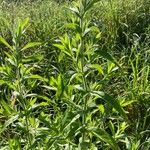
[(84, 85)]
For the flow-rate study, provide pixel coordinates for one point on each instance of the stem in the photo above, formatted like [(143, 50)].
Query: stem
[(20, 89), (27, 128), (85, 86)]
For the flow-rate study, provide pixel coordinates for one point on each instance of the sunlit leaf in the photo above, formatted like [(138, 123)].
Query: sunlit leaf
[(30, 45), (38, 77), (2, 40), (98, 68)]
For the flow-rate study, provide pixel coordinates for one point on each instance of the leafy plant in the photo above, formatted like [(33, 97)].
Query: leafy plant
[(88, 89), (15, 79)]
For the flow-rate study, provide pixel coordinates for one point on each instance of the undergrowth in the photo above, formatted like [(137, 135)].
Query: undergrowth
[(75, 75)]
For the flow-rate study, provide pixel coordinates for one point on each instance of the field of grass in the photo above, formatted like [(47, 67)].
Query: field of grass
[(74, 75)]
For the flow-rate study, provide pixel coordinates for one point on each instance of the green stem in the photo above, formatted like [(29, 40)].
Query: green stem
[(27, 128), (20, 89), (85, 86)]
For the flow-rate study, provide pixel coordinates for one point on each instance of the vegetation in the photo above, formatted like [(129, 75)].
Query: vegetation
[(75, 75)]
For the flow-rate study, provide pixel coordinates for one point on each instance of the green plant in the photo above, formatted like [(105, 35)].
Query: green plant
[(17, 84), (80, 50), (70, 92)]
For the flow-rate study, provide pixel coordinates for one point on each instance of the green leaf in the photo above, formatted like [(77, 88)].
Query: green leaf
[(90, 4), (104, 136), (32, 58), (109, 57), (24, 23), (38, 77), (11, 62), (50, 88), (98, 68), (62, 48), (30, 45), (110, 100), (9, 121), (6, 107), (72, 121), (60, 56), (75, 10), (110, 66), (78, 87), (71, 25), (45, 98), (101, 108), (60, 86), (2, 40), (73, 105), (2, 82), (87, 30)]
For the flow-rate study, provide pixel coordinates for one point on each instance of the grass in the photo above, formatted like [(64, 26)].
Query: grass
[(75, 75)]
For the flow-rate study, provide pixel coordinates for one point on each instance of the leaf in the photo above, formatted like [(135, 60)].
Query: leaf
[(60, 86), (23, 24), (60, 46), (32, 58), (72, 121), (87, 30), (110, 100), (50, 88), (78, 87), (31, 95), (11, 62), (110, 66), (38, 77), (45, 98), (63, 49), (30, 109), (75, 10), (73, 105), (2, 82), (104, 136), (76, 76), (43, 104), (21, 27), (2, 40), (30, 45), (90, 4), (61, 56), (71, 25), (9, 121), (98, 68), (6, 106), (101, 108), (109, 57)]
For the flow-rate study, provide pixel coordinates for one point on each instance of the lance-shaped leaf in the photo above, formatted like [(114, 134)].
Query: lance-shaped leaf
[(90, 3), (76, 11), (109, 57), (2, 40), (72, 121), (6, 107), (9, 121), (63, 49), (98, 68), (38, 77), (110, 100), (30, 45), (104, 136), (2, 82)]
